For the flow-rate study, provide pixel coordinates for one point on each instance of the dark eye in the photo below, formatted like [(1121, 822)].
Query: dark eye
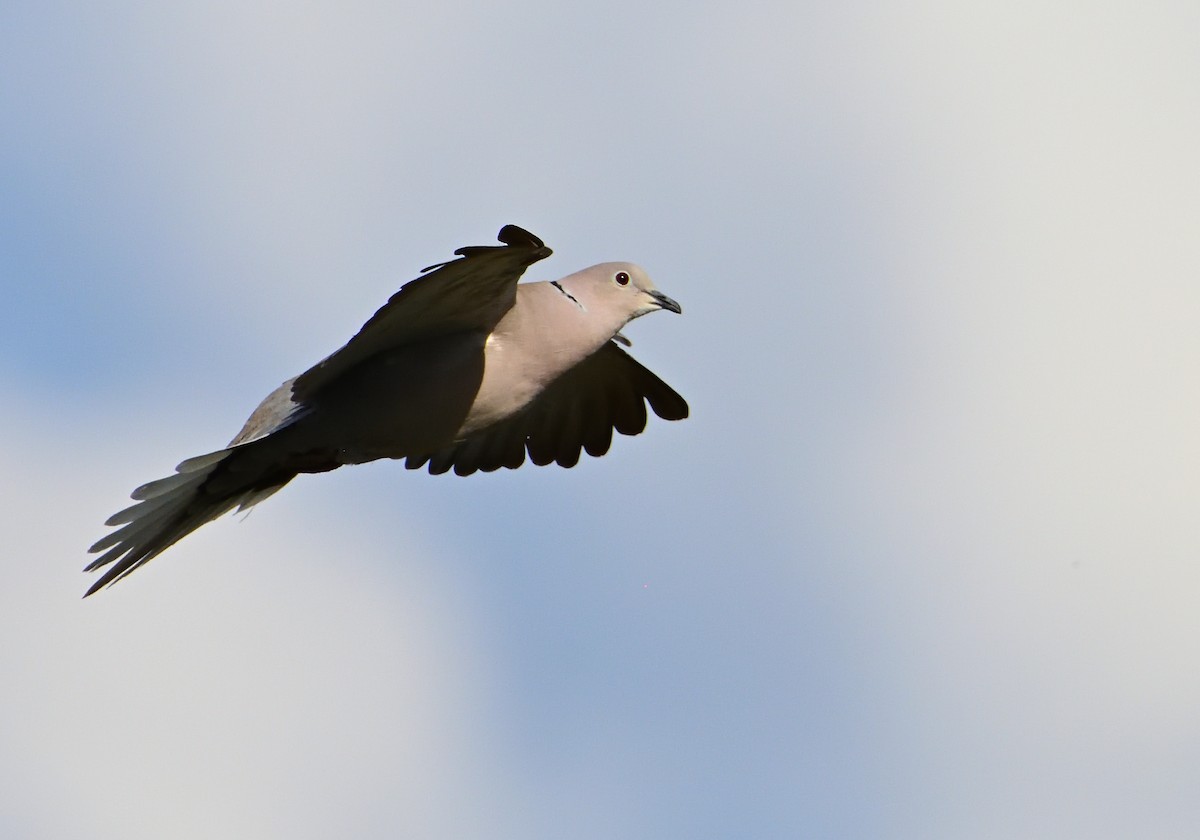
[(622, 278)]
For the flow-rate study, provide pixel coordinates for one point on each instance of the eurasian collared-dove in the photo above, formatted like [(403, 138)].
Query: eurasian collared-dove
[(461, 369)]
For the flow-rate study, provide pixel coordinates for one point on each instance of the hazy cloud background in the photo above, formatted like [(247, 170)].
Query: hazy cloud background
[(923, 563)]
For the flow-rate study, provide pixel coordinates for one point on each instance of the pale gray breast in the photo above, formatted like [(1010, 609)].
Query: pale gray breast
[(544, 335)]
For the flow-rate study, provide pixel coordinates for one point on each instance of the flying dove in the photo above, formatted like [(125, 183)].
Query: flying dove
[(461, 369)]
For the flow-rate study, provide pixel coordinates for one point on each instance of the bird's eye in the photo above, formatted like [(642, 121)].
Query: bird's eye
[(622, 278)]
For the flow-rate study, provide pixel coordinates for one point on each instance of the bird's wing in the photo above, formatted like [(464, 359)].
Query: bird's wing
[(577, 412), (469, 293)]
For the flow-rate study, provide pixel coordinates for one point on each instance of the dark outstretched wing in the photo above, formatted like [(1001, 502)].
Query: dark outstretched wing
[(577, 412), (472, 292)]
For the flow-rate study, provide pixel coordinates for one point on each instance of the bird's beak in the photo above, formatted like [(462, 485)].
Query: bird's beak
[(665, 302)]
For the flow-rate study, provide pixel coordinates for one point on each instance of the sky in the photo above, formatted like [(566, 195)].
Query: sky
[(923, 563)]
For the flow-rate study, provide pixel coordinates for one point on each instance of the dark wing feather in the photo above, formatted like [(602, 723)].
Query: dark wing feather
[(577, 412), (469, 293)]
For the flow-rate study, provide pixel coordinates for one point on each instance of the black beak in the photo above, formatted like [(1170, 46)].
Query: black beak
[(665, 302)]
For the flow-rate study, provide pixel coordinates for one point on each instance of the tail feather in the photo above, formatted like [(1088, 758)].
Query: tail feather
[(162, 486), (142, 548), (124, 534), (151, 518), (255, 496), (199, 462), (170, 508), (136, 511)]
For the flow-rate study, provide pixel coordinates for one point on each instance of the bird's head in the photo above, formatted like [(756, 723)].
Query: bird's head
[(616, 291)]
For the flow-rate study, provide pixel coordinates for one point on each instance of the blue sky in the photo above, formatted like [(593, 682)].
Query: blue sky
[(922, 563)]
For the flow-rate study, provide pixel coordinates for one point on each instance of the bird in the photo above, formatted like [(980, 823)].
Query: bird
[(463, 369)]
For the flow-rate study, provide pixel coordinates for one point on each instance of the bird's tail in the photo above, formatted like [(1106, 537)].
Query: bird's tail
[(170, 508)]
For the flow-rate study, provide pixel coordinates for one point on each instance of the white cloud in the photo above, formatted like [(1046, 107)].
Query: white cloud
[(265, 678)]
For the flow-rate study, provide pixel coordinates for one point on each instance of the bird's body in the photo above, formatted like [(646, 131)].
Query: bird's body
[(462, 369)]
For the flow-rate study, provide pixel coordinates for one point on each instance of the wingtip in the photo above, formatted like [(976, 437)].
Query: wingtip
[(519, 237), (511, 236), (669, 406)]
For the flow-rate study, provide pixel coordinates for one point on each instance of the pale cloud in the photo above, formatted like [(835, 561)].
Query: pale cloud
[(277, 680), (1023, 497)]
